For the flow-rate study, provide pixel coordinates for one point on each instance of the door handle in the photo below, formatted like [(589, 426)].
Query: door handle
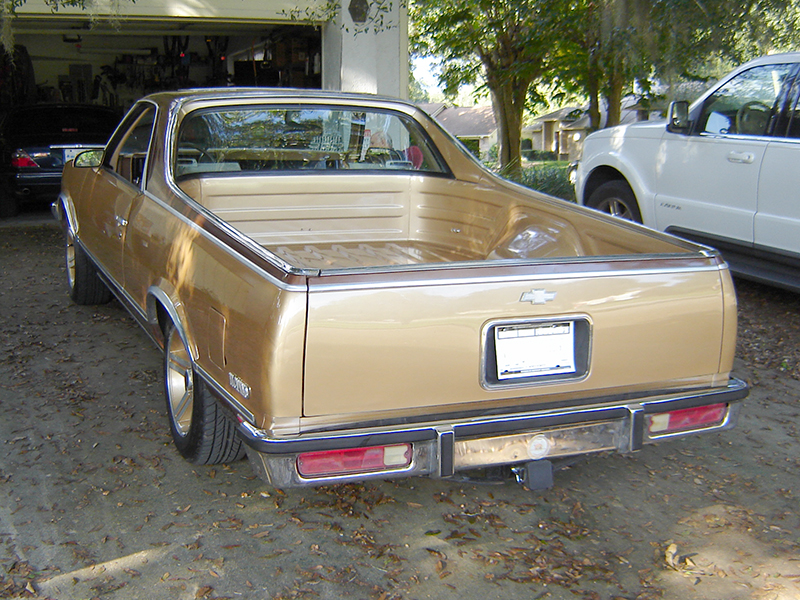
[(121, 224), (746, 158)]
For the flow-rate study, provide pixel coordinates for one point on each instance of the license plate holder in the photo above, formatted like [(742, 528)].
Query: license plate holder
[(525, 352), (71, 153)]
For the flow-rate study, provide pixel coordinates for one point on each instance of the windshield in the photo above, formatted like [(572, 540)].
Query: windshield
[(295, 138)]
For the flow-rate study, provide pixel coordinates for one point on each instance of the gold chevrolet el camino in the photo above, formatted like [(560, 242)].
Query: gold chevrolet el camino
[(342, 293)]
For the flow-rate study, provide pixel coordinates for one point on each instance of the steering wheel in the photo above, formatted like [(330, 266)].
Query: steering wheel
[(199, 149), (752, 118)]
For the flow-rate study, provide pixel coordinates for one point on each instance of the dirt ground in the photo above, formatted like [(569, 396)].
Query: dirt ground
[(96, 503)]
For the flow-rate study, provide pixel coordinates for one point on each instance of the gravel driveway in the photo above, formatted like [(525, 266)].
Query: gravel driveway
[(96, 503)]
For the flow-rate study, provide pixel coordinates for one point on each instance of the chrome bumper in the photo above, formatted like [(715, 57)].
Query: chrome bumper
[(440, 449)]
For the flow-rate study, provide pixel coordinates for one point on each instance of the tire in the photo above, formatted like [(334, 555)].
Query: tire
[(200, 430), (85, 286), (616, 199)]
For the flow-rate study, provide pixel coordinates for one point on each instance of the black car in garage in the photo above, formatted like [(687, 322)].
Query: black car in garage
[(36, 141)]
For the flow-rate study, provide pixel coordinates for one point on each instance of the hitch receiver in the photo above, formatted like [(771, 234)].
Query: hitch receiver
[(535, 475)]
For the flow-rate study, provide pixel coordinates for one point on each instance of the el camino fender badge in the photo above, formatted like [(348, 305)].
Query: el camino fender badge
[(240, 386), (538, 296)]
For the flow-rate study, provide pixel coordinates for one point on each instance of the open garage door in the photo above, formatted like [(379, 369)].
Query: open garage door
[(74, 60)]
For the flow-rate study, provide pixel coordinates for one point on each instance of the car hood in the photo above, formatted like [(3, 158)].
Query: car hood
[(640, 129)]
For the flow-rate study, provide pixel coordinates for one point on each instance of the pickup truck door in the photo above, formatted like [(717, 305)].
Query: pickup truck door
[(777, 223), (116, 188), (709, 181)]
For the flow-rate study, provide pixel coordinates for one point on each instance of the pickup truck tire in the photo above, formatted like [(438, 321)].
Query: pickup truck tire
[(201, 431), (85, 286), (617, 199)]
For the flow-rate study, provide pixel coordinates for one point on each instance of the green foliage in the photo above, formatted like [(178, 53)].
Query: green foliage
[(473, 145), (609, 47), (549, 178), (416, 92), (504, 43), (540, 155)]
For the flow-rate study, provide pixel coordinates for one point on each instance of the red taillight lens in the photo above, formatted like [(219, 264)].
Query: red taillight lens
[(20, 158), (687, 418), (354, 460)]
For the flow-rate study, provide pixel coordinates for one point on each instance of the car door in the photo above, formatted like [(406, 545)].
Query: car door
[(116, 187), (707, 183), (777, 221)]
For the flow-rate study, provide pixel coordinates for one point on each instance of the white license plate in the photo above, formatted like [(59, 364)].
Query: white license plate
[(70, 153), (535, 349)]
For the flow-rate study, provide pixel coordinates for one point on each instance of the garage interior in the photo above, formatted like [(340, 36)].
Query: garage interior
[(113, 64)]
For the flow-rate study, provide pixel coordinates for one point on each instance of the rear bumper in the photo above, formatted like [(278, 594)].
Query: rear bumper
[(35, 184), (442, 448)]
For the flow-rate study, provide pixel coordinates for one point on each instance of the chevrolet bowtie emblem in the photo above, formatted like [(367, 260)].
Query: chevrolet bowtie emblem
[(538, 296)]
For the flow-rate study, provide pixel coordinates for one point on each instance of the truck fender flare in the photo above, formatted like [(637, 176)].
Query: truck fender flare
[(64, 212), (163, 302)]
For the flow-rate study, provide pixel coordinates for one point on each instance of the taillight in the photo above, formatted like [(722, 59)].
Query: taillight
[(354, 460), (687, 419), (20, 158)]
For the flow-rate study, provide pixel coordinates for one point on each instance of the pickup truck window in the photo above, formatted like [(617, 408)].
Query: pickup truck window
[(746, 104), (128, 159), (293, 138)]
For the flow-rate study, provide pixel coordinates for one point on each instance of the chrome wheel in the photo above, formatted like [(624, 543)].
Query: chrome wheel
[(180, 384), (616, 208), (616, 199)]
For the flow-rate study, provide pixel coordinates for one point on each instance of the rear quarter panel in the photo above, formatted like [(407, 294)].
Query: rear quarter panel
[(243, 320)]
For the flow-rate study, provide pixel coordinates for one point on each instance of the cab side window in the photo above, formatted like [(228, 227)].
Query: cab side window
[(129, 155), (748, 103)]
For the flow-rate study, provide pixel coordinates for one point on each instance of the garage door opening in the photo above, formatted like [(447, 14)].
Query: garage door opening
[(71, 61)]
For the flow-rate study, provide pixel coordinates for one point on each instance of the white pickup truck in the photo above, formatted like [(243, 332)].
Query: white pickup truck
[(722, 171)]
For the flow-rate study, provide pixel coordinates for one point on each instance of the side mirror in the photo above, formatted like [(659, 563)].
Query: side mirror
[(678, 117), (89, 158)]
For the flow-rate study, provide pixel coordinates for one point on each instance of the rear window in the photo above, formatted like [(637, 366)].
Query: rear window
[(293, 138), (44, 121)]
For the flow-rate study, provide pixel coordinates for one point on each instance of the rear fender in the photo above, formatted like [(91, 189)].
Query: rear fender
[(163, 306)]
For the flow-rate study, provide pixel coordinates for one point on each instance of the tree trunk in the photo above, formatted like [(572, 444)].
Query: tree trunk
[(508, 103), (593, 89), (614, 99)]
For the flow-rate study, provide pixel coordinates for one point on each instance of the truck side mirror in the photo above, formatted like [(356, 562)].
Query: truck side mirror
[(89, 158), (678, 117)]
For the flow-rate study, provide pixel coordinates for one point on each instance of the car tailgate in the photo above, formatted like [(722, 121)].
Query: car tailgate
[(433, 338)]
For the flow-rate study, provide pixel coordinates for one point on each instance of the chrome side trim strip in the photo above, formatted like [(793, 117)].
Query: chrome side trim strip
[(319, 285), (227, 249)]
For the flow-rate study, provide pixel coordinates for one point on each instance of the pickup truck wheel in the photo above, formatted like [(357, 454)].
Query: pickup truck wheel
[(616, 198), (202, 433), (85, 286)]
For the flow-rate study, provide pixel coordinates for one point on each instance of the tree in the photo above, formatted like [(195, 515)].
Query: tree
[(505, 42), (416, 92), (607, 45)]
